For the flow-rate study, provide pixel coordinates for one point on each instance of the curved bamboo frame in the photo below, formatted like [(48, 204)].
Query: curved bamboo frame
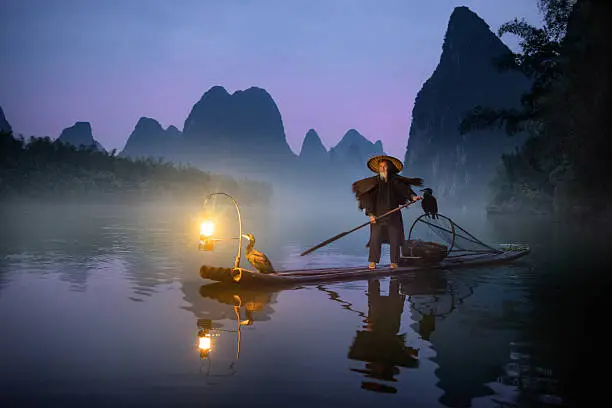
[(433, 225), (236, 271)]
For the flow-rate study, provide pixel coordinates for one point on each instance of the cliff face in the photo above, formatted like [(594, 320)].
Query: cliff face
[(459, 166), (245, 126), (79, 135), (4, 125), (313, 150), (336, 169), (352, 153), (149, 139)]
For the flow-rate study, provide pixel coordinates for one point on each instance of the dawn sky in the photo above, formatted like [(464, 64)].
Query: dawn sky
[(330, 65)]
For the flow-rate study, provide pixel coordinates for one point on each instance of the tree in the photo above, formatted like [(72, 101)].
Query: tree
[(45, 168), (539, 59), (567, 110)]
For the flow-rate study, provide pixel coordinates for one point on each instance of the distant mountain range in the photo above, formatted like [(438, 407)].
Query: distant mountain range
[(242, 134)]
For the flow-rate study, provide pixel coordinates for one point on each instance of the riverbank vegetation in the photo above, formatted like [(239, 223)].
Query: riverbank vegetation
[(44, 169), (563, 165)]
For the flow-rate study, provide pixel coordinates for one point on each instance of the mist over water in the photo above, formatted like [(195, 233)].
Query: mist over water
[(102, 303)]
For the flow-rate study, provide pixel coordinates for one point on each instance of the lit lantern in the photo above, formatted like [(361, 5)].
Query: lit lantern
[(207, 228)]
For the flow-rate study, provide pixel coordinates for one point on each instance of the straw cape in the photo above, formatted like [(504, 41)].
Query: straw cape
[(401, 184)]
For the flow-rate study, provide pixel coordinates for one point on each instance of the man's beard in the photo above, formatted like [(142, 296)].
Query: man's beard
[(383, 175)]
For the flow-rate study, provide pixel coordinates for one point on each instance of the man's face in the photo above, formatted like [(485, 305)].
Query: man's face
[(382, 169)]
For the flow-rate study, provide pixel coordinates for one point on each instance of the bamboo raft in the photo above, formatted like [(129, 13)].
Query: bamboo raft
[(247, 277)]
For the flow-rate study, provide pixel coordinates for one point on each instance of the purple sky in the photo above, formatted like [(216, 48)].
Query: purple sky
[(330, 65)]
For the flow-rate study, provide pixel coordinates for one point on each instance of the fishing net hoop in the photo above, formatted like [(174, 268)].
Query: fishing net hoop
[(452, 224), (451, 236)]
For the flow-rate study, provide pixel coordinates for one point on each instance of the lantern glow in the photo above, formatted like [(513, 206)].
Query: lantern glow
[(207, 228), (205, 343)]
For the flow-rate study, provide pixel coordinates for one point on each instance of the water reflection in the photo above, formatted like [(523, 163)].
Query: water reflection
[(434, 298), (221, 312), (217, 302), (4, 276), (464, 338), (379, 344), (141, 246), (466, 322), (523, 381)]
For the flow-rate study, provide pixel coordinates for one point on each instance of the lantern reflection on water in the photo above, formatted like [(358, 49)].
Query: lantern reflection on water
[(206, 332), (205, 344)]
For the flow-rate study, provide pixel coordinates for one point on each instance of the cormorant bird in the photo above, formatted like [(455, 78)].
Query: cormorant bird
[(429, 203), (259, 260)]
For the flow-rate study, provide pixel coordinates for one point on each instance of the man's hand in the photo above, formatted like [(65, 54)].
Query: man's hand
[(416, 198), (372, 219)]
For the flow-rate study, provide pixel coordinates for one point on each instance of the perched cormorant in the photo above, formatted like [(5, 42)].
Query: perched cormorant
[(429, 203), (259, 260)]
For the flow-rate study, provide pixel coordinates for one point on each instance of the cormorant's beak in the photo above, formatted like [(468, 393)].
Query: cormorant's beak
[(245, 236)]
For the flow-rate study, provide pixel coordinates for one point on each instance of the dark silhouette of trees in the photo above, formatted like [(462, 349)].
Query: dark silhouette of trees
[(43, 168), (566, 113)]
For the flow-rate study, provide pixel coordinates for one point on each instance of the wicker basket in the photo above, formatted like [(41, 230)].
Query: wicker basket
[(416, 251)]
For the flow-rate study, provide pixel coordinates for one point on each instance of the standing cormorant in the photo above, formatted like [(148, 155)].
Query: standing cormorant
[(259, 260), (429, 203)]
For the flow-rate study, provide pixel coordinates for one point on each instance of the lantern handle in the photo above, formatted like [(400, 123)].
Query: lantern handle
[(239, 238)]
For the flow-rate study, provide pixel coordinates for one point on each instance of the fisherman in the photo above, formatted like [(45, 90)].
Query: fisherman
[(380, 194)]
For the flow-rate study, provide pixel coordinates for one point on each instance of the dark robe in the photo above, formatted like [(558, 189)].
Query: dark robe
[(377, 197)]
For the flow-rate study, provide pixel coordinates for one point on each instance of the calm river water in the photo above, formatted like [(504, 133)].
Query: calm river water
[(102, 306)]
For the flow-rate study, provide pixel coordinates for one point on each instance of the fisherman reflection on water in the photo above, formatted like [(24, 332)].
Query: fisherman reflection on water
[(379, 345)]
